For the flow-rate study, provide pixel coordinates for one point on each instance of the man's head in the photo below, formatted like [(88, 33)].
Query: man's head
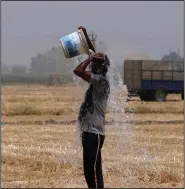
[(100, 64)]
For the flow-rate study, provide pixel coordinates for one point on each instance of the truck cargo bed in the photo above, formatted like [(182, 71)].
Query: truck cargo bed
[(148, 75)]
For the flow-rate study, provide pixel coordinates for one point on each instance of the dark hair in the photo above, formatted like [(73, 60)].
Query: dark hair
[(105, 65), (104, 70)]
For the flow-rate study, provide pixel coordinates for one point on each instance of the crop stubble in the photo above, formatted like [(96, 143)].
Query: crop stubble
[(145, 150)]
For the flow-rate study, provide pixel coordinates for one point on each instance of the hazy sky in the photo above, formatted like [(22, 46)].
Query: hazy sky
[(150, 28)]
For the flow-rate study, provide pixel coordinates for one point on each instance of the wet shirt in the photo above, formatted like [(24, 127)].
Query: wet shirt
[(93, 109)]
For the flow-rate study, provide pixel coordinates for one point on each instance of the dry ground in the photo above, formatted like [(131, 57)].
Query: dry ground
[(144, 150)]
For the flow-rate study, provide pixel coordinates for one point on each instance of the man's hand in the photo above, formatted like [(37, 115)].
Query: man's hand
[(90, 45), (98, 57), (83, 29)]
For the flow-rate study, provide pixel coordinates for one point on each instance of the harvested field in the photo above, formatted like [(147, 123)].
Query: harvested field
[(38, 133)]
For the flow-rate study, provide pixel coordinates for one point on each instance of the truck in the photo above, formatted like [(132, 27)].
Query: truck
[(153, 80)]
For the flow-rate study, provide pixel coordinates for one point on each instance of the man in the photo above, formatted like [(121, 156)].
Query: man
[(92, 114)]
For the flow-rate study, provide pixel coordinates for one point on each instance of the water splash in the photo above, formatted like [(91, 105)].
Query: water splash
[(115, 110), (118, 92)]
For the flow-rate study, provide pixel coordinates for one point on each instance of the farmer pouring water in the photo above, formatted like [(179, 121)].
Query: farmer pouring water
[(92, 113)]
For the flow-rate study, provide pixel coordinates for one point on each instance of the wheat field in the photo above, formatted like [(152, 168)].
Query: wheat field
[(143, 148)]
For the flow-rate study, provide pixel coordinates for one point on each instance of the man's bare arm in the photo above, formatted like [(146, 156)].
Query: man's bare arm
[(80, 70), (87, 38)]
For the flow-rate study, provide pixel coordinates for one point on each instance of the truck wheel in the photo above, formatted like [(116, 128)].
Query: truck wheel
[(160, 95), (147, 96), (182, 95), (141, 96), (150, 96)]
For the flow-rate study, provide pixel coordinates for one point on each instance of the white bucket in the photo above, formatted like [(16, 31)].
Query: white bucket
[(74, 44)]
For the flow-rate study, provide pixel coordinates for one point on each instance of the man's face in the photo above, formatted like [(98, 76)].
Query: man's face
[(95, 67)]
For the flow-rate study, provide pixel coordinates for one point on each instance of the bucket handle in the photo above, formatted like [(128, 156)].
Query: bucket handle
[(91, 52)]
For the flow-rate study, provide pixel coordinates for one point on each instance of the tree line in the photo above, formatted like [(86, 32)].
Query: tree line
[(53, 61)]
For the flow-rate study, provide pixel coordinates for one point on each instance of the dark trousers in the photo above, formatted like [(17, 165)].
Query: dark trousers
[(92, 161)]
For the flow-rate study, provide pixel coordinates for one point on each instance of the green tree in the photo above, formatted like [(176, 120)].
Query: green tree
[(177, 60), (172, 56), (53, 61)]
